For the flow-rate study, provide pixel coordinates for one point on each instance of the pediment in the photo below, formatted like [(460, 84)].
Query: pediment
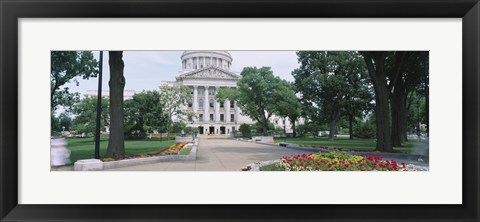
[(209, 73)]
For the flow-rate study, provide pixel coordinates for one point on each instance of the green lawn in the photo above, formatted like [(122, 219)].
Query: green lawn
[(346, 144), (84, 148)]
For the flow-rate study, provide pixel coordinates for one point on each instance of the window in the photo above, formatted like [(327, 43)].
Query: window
[(190, 118), (231, 104), (221, 105), (190, 104), (211, 103), (200, 103), (211, 117), (232, 117), (222, 117), (200, 117), (211, 92)]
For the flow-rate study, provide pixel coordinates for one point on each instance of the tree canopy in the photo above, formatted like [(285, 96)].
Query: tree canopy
[(256, 94), (332, 85), (143, 114), (66, 66), (85, 111), (172, 100)]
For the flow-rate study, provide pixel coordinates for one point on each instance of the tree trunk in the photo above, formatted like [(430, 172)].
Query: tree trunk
[(384, 142), (350, 125), (116, 146), (294, 128), (265, 125), (377, 74), (398, 110), (403, 118), (332, 126)]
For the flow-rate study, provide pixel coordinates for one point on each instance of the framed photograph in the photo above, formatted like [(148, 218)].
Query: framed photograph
[(203, 46)]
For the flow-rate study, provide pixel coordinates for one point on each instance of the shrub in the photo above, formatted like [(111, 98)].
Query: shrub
[(245, 130), (364, 130)]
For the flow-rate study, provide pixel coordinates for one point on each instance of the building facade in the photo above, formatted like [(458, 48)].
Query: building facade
[(206, 72)]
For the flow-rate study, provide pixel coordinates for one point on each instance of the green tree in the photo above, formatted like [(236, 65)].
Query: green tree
[(172, 99), (54, 124), (332, 85), (116, 140), (85, 115), (143, 114), (178, 127), (65, 121), (256, 94), (288, 104), (65, 67)]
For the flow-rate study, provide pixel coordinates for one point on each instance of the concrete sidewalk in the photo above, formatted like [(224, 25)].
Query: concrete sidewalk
[(220, 155)]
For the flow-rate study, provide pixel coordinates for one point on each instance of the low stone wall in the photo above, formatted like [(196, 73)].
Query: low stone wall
[(90, 165), (180, 139), (265, 139)]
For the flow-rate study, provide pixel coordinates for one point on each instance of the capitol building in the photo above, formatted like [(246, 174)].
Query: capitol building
[(205, 72)]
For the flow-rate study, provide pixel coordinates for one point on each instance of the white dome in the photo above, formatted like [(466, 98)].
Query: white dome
[(192, 60)]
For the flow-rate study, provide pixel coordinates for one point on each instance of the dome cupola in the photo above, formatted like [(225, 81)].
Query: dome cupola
[(192, 60)]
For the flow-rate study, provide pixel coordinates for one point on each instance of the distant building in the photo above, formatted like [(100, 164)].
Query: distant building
[(127, 94)]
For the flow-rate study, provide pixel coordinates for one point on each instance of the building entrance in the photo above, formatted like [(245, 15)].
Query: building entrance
[(222, 130), (200, 129), (211, 130)]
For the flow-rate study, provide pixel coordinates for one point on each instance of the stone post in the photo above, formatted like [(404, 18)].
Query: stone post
[(217, 106), (195, 99), (227, 111), (237, 112), (206, 106)]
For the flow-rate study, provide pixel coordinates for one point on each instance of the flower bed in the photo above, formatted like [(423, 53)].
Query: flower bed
[(337, 161), (172, 150), (175, 148)]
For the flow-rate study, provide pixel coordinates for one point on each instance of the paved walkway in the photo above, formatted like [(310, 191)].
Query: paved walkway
[(220, 155)]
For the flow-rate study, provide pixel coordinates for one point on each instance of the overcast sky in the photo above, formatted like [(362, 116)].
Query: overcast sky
[(145, 70)]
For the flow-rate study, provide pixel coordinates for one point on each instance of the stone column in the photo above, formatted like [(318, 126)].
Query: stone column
[(195, 99), (237, 112), (217, 107), (206, 106), (227, 110)]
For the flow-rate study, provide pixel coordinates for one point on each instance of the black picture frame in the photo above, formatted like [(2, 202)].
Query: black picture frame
[(12, 10)]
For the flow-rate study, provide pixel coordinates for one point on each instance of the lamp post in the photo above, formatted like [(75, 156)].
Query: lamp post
[(99, 108)]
